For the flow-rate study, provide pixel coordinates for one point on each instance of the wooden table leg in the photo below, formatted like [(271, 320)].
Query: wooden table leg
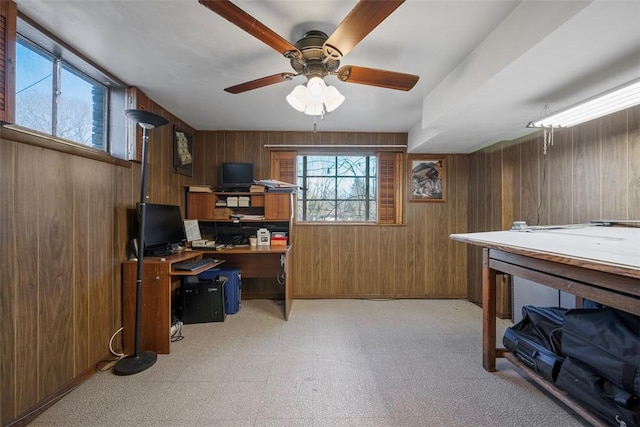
[(488, 314)]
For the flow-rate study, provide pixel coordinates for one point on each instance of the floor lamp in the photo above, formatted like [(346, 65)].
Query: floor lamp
[(139, 361)]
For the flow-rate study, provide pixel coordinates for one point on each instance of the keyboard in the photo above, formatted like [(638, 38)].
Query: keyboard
[(193, 264)]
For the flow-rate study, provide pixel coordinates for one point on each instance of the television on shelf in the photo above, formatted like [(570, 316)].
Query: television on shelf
[(236, 176), (164, 231)]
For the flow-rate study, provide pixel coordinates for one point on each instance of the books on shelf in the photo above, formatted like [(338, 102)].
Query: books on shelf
[(201, 188), (222, 213), (255, 188)]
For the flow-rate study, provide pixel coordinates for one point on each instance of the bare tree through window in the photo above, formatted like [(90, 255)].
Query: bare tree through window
[(337, 188)]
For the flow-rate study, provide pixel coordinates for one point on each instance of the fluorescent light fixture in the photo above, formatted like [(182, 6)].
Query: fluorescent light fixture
[(316, 98), (616, 99)]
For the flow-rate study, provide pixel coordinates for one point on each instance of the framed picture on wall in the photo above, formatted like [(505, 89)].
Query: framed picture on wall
[(182, 152), (427, 178)]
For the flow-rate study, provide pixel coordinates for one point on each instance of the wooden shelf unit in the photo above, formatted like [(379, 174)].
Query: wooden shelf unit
[(262, 262), (274, 206)]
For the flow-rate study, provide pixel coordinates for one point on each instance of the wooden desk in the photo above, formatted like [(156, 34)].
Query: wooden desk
[(160, 281), (261, 262), (598, 263)]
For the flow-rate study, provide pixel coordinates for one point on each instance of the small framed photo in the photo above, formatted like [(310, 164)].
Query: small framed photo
[(427, 178), (182, 152)]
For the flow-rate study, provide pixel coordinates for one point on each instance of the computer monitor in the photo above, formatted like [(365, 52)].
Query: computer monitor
[(236, 176), (164, 229)]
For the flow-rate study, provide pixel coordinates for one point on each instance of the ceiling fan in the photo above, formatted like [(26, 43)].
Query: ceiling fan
[(317, 55)]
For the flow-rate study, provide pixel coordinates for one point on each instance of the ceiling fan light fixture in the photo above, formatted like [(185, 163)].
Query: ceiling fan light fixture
[(298, 98), (316, 89), (316, 98), (314, 109), (333, 99)]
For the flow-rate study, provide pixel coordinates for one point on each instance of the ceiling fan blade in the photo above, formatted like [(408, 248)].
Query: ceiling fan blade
[(375, 77), (363, 18), (242, 19), (258, 83)]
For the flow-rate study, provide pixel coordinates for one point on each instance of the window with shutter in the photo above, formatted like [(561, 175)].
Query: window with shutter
[(390, 186), (283, 166), (340, 188)]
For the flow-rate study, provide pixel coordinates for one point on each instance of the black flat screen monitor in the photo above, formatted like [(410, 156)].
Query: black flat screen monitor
[(236, 176), (163, 230)]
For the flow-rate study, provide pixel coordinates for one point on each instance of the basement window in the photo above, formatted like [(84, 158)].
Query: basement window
[(344, 188), (337, 188), (61, 94)]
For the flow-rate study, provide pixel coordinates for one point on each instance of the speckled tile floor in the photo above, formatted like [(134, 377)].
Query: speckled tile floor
[(334, 363)]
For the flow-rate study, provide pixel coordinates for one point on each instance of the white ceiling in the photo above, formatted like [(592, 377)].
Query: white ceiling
[(486, 67)]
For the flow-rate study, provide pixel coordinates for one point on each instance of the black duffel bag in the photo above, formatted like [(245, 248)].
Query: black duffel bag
[(608, 340), (611, 403), (536, 339)]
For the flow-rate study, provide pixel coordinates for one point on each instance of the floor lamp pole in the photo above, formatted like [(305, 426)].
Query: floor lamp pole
[(139, 361)]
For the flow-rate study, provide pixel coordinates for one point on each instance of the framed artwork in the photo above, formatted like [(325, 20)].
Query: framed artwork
[(182, 152), (427, 178)]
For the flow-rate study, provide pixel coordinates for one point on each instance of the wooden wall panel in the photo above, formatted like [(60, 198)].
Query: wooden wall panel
[(485, 213), (26, 260), (530, 181), (615, 172), (8, 282), (346, 274), (633, 160), (559, 179), (55, 271), (82, 254), (474, 254), (456, 258), (587, 171), (511, 168), (102, 268), (65, 220)]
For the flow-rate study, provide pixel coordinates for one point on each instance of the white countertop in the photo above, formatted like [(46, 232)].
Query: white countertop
[(606, 244)]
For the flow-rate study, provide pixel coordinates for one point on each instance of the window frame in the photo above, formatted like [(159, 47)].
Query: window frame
[(335, 177), (390, 180), (115, 131)]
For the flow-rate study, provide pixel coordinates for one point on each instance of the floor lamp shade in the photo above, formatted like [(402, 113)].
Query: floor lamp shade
[(139, 361)]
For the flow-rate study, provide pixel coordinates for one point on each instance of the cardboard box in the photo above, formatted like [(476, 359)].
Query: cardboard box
[(278, 242), (243, 202), (232, 202)]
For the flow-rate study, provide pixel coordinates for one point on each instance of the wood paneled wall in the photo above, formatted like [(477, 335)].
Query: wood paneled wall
[(358, 261), (64, 222), (591, 171)]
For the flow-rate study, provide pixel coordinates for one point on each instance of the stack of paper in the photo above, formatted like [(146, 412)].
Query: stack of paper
[(200, 189)]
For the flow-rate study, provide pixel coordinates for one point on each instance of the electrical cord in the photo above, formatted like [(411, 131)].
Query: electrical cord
[(176, 335), (107, 364)]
